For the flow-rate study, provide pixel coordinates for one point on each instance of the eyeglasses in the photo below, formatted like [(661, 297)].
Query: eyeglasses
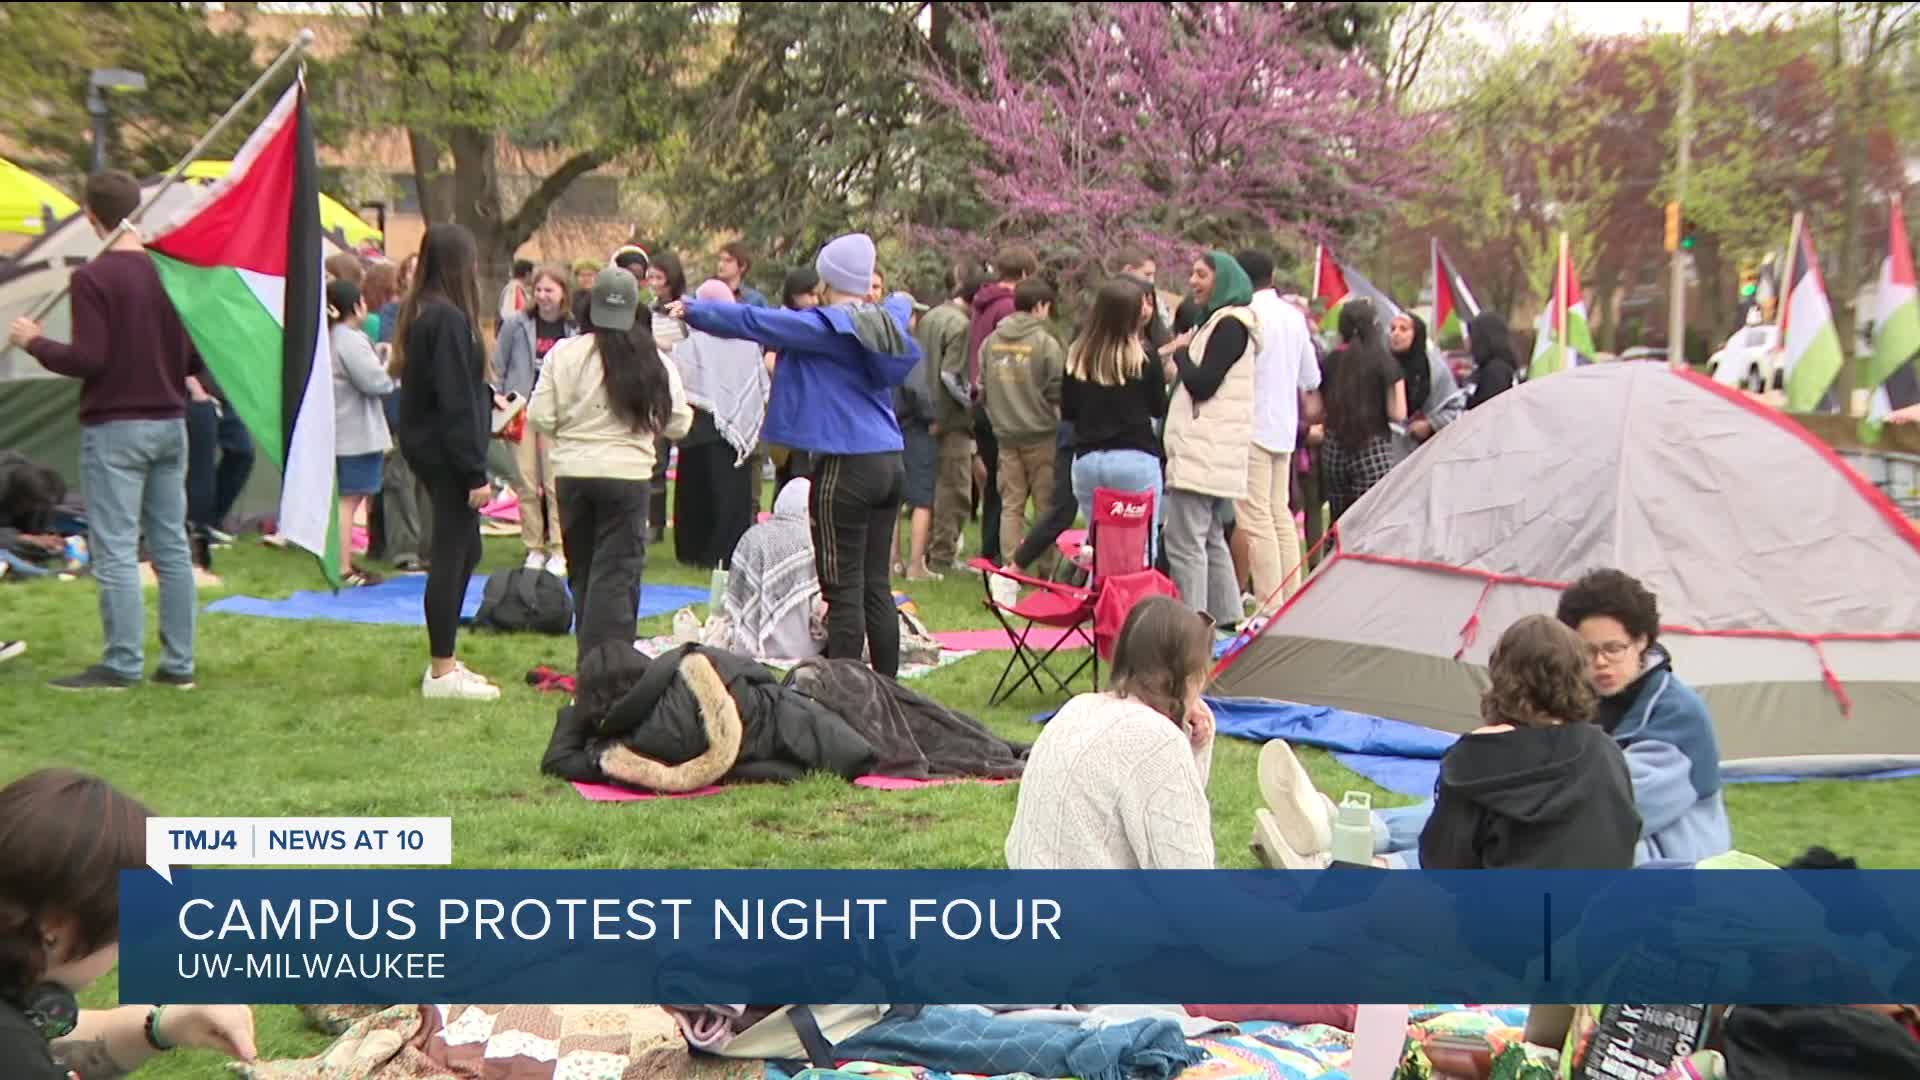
[(1612, 650)]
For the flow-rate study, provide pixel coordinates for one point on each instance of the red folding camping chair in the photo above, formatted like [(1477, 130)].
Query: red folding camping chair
[(1121, 533)]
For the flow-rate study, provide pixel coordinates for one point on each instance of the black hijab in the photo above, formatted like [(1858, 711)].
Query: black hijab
[(1417, 366)]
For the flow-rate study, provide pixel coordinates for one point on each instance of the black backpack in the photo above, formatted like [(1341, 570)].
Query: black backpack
[(526, 600)]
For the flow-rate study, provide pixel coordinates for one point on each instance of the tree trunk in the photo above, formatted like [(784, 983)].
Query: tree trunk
[(476, 203), (426, 173), (1602, 313), (1710, 270)]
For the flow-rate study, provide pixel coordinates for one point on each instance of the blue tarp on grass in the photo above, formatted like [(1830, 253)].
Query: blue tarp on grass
[(397, 602)]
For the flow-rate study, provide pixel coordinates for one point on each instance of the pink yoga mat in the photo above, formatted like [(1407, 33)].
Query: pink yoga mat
[(1042, 638), (611, 793)]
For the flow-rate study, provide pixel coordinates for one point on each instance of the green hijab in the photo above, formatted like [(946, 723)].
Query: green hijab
[(1231, 286)]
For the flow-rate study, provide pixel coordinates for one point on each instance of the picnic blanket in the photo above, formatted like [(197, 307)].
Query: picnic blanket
[(950, 1040), (614, 793), (666, 643), (397, 602), (1405, 758), (504, 1042)]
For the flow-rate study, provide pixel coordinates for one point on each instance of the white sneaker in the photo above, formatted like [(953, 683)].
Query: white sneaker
[(1005, 590), (1301, 814), (536, 561), (460, 684), (11, 649), (1271, 848), (557, 566)]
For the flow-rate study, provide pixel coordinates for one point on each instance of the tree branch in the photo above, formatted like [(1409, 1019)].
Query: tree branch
[(533, 209), (509, 36)]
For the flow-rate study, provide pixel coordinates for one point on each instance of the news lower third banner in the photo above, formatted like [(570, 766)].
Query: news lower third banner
[(382, 936)]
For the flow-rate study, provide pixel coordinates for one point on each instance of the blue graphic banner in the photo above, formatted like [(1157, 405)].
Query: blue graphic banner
[(779, 936)]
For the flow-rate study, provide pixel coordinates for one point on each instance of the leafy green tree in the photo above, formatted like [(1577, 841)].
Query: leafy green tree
[(586, 83)]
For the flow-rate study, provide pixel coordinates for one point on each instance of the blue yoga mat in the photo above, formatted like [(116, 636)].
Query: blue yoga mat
[(1403, 757), (397, 602)]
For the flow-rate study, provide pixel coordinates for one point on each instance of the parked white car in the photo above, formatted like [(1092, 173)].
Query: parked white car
[(1748, 360)]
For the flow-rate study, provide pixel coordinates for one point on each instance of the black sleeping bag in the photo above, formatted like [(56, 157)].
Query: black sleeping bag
[(692, 717)]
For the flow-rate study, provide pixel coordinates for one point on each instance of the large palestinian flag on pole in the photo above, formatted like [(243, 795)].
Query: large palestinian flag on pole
[(244, 266), (1453, 304), (1896, 320), (1812, 344), (1334, 283)]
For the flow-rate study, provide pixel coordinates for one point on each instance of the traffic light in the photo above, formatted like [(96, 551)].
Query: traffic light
[(1686, 236), (1673, 227), (1749, 282)]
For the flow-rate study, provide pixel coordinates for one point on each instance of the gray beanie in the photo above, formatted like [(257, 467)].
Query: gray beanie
[(846, 264)]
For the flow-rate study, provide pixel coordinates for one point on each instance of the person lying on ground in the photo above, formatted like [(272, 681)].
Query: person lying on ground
[(1118, 780), (1659, 723), (64, 838)]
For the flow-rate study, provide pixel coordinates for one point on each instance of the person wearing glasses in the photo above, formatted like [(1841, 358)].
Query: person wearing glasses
[(1659, 723)]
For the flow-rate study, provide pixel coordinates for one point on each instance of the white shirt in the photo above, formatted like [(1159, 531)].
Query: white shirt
[(1111, 784), (1285, 365)]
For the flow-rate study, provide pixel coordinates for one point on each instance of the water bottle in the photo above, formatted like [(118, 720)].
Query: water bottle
[(716, 588), (76, 553), (1379, 1040), (1353, 830)]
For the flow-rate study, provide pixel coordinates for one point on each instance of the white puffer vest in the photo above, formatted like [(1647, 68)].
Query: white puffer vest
[(1207, 443)]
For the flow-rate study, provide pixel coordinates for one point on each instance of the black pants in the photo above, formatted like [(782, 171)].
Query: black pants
[(657, 493), (452, 559), (1057, 518), (603, 526), (988, 447), (712, 505), (856, 503), (219, 461)]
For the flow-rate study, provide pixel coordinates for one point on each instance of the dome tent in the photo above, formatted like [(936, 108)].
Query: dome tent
[(1789, 587)]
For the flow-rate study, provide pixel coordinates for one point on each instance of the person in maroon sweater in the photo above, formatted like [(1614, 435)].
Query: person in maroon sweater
[(133, 358)]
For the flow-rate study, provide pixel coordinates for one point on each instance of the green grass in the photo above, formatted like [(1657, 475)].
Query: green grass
[(326, 719)]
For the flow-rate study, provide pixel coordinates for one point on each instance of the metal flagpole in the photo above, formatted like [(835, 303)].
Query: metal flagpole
[(1785, 291), (1560, 307), (287, 56)]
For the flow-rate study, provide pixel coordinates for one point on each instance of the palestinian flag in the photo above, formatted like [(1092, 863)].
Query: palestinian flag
[(1896, 318), (244, 266), (1569, 309), (1812, 344), (1900, 391), (1334, 283), (1453, 304)]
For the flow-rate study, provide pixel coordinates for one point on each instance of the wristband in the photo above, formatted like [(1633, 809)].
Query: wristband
[(153, 1030)]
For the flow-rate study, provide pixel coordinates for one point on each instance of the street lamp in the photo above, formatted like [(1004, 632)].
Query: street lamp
[(118, 80)]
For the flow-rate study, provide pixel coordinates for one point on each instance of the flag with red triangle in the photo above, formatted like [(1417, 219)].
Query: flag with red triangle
[(1568, 309), (1453, 303), (1896, 322), (1334, 283), (244, 266), (1809, 338)]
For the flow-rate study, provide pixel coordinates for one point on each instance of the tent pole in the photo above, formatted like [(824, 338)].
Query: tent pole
[(287, 56)]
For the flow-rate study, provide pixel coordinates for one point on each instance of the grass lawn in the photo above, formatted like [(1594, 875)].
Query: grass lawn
[(326, 719)]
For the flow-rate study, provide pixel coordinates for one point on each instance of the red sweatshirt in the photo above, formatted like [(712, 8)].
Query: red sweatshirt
[(129, 348)]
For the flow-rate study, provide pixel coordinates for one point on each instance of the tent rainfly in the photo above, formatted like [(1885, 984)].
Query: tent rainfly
[(1789, 586)]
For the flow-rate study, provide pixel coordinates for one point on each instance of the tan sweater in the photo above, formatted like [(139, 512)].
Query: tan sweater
[(589, 441), (1113, 785)]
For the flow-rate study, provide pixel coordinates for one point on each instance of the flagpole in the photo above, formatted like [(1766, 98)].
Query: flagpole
[(287, 56), (1319, 253), (1560, 307), (1433, 264), (1786, 277)]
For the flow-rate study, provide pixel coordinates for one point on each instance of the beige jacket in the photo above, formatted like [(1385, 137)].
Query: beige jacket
[(589, 441), (1207, 443)]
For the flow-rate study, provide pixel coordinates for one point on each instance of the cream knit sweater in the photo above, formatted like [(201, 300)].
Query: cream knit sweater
[(1112, 785)]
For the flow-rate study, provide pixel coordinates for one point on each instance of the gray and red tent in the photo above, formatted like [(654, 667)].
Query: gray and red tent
[(1789, 586)]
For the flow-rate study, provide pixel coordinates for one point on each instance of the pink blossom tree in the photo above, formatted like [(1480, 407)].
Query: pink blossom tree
[(1174, 128)]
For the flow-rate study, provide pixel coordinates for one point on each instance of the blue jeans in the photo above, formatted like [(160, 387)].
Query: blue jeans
[(1120, 470), (135, 476), (1396, 833)]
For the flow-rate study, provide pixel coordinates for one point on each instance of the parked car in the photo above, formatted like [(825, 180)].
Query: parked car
[(1749, 359), (1645, 352)]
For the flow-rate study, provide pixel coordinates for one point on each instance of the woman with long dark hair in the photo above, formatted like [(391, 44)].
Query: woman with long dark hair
[(799, 291), (1366, 394), (64, 839), (667, 280), (605, 398), (1494, 366), (446, 412)]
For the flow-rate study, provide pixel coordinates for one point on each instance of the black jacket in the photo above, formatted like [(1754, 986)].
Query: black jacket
[(1555, 798), (446, 407)]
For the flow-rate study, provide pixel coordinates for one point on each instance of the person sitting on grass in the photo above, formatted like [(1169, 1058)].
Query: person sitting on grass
[(64, 839), (1658, 722), (773, 591), (1118, 781), (1540, 786)]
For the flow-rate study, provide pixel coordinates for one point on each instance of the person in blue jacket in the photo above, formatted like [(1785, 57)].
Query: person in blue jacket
[(1659, 721), (832, 397)]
